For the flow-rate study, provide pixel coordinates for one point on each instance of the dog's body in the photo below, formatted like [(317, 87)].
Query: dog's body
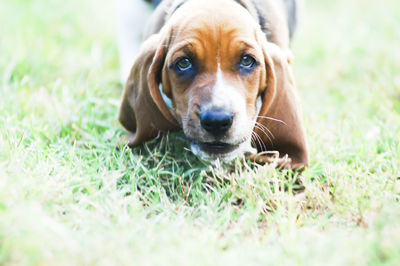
[(224, 66)]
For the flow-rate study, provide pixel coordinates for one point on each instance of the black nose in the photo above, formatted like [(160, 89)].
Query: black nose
[(216, 121)]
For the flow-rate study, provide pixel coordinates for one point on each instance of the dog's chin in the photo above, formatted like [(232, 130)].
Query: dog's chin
[(212, 151)]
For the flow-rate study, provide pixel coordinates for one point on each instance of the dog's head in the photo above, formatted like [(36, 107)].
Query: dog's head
[(219, 71)]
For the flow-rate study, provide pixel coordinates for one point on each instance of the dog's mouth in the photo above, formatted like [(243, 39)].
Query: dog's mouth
[(220, 150), (216, 147)]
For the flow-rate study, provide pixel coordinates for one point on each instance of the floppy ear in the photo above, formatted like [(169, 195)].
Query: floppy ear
[(282, 127), (143, 111)]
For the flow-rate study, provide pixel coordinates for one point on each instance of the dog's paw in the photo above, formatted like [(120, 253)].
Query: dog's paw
[(272, 157), (126, 140)]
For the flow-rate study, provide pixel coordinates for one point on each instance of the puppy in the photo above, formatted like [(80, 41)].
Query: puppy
[(220, 71)]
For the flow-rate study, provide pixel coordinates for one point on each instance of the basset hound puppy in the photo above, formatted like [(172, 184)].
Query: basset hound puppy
[(220, 71)]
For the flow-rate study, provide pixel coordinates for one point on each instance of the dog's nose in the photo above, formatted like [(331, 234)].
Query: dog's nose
[(216, 121)]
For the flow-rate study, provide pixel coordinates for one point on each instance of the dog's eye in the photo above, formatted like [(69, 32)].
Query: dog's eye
[(247, 61), (184, 64)]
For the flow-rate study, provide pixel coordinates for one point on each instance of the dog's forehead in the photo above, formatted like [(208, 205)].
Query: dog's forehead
[(210, 9), (214, 25)]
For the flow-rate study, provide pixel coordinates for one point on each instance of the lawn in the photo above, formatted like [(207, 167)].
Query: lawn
[(70, 196)]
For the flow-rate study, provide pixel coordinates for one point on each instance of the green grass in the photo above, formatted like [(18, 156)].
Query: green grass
[(69, 196)]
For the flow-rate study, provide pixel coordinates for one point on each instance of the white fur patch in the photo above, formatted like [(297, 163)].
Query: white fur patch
[(225, 95), (244, 148)]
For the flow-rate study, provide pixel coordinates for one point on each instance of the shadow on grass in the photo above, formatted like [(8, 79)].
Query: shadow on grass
[(166, 167), (164, 171)]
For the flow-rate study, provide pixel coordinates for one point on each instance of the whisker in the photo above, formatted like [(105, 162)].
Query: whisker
[(252, 140), (262, 146), (258, 137), (262, 130), (273, 119), (266, 128), (259, 140)]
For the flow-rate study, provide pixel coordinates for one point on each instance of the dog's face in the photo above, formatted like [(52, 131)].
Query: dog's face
[(214, 72), (227, 84)]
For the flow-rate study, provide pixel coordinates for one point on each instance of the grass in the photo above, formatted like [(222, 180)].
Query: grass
[(69, 196)]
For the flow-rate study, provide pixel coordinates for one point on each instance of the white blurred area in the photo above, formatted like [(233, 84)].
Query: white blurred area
[(132, 16)]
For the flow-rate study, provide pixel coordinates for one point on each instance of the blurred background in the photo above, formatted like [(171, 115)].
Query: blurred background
[(59, 95)]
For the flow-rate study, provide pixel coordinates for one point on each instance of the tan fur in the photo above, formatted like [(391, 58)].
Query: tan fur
[(217, 33)]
